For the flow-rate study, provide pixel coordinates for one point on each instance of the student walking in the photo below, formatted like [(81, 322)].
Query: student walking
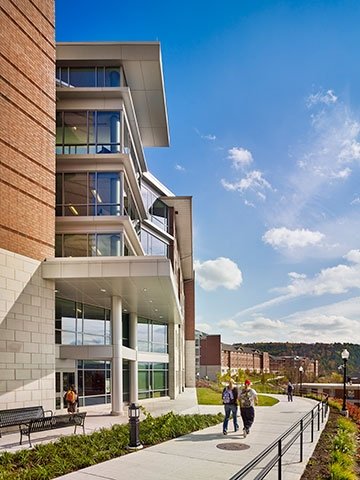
[(290, 391), (230, 401), (248, 399), (71, 399)]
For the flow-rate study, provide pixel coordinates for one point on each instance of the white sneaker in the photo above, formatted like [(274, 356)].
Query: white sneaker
[(244, 432)]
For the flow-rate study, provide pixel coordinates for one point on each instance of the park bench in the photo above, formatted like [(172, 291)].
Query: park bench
[(16, 416), (50, 423)]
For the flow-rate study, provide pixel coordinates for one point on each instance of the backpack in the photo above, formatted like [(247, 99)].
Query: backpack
[(227, 396), (245, 399), (70, 396)]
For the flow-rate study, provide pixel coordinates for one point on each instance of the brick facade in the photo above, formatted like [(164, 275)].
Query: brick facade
[(27, 128)]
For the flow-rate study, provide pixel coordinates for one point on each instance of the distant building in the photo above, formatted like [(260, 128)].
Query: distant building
[(217, 357), (289, 365), (213, 357)]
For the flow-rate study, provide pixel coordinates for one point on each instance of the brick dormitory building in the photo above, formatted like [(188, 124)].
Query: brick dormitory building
[(213, 357), (96, 258)]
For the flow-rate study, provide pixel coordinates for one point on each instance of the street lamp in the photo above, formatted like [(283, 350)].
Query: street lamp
[(345, 356), (301, 371)]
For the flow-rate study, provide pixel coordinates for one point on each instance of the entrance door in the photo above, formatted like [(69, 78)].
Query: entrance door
[(63, 382)]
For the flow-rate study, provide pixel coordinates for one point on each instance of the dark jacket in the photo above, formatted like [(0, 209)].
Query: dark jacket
[(235, 392)]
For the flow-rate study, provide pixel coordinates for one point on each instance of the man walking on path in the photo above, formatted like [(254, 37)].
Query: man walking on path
[(230, 401), (290, 390), (248, 399)]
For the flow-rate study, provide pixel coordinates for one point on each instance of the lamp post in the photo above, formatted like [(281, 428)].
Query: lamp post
[(345, 356), (134, 420), (301, 371)]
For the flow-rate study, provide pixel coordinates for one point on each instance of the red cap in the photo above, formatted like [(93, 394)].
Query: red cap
[(247, 382)]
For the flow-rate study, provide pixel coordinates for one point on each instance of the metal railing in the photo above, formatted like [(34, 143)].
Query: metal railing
[(282, 444)]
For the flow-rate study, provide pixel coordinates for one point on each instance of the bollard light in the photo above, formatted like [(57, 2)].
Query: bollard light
[(134, 421), (345, 356)]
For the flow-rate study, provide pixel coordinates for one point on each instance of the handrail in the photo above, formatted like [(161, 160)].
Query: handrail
[(319, 412)]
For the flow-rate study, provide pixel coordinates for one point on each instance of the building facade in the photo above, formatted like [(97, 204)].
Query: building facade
[(111, 307), (289, 365), (219, 358)]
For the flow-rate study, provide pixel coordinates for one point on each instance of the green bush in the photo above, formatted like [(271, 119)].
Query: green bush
[(73, 452), (343, 456)]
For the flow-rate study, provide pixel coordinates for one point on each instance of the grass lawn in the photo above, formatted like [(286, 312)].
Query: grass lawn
[(207, 396)]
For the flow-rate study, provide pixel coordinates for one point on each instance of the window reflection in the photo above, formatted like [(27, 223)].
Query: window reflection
[(78, 324), (90, 131), (88, 77), (89, 245), (152, 336)]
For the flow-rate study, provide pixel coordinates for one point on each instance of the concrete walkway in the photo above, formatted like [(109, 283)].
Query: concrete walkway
[(200, 455)]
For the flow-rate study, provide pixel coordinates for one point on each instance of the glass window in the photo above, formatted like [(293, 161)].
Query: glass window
[(75, 128), (152, 337), (82, 77), (75, 193), (75, 245), (108, 245), (112, 77), (108, 132), (152, 245)]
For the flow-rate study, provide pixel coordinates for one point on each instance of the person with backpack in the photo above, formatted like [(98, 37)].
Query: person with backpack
[(230, 401), (290, 390), (71, 399), (248, 399)]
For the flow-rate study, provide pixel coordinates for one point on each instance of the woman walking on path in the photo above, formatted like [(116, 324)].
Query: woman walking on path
[(248, 399), (230, 401)]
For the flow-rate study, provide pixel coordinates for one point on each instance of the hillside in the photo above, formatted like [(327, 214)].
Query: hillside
[(328, 354)]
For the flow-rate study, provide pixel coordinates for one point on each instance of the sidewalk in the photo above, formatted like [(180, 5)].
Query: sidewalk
[(199, 455)]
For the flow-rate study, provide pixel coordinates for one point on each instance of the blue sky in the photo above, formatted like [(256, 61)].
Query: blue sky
[(264, 111)]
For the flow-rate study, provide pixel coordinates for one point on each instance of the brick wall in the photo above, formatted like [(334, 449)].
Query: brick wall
[(27, 127)]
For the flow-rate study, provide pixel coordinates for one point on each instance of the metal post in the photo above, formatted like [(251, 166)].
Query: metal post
[(280, 460), (312, 425), (301, 440), (344, 389), (318, 414)]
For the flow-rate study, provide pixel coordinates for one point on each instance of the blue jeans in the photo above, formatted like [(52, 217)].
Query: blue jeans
[(230, 408)]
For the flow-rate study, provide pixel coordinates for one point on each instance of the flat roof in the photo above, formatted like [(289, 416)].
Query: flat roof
[(142, 65)]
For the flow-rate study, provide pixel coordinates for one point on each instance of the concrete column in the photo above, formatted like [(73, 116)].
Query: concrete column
[(117, 370), (134, 384), (173, 347)]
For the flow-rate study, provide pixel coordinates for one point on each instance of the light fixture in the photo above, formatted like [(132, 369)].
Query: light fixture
[(345, 355), (96, 195), (73, 210), (102, 290)]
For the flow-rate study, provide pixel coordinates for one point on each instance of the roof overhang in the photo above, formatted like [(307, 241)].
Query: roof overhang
[(183, 223), (146, 285), (144, 75)]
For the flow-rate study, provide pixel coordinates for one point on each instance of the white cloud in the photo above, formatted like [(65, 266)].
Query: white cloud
[(296, 275), (240, 157), (249, 204), (179, 168), (209, 136), (228, 324), (221, 272), (353, 256), (204, 327), (333, 280), (254, 181), (285, 238), (326, 160), (356, 201), (326, 98)]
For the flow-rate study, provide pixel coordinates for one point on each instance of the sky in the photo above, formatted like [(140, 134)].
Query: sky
[(263, 102)]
